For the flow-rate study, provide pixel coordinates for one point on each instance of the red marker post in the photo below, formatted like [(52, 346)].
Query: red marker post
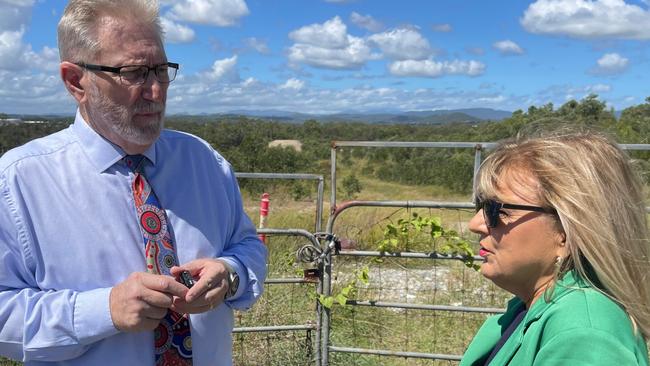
[(264, 213)]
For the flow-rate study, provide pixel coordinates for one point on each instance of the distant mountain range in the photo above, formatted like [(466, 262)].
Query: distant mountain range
[(440, 116)]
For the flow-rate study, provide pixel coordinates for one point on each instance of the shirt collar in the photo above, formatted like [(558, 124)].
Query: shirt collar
[(102, 153)]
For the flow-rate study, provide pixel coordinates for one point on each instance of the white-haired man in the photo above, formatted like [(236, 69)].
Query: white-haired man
[(100, 222)]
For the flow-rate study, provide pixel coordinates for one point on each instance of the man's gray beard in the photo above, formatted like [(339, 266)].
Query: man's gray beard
[(118, 119)]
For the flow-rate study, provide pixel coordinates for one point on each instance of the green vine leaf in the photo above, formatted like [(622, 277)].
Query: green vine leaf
[(400, 237), (348, 291), (326, 301)]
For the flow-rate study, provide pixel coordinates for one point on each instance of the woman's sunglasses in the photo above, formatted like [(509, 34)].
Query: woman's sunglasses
[(491, 210)]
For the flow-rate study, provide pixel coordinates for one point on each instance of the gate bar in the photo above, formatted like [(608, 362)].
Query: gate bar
[(274, 328), (320, 192), (422, 255), (401, 305), (319, 290), (379, 352)]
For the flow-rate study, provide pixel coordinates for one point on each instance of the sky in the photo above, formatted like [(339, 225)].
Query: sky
[(363, 56)]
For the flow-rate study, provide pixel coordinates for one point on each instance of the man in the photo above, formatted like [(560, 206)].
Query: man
[(75, 286)]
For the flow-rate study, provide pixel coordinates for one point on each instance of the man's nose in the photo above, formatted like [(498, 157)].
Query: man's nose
[(152, 89)]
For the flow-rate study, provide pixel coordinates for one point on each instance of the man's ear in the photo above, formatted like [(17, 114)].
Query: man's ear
[(71, 75)]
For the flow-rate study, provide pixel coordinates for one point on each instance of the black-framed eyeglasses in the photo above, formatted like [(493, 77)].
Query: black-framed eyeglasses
[(137, 74), (492, 210)]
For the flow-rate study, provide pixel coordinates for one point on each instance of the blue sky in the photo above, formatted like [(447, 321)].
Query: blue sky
[(329, 56)]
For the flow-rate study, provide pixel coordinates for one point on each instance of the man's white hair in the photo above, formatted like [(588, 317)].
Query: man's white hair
[(77, 30)]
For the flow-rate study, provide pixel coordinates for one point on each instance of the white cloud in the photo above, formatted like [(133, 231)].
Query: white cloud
[(15, 55), (355, 55), (328, 45), (444, 28), (32, 93), (18, 2), (588, 19), (366, 22), (430, 68), (222, 13), (250, 82), (184, 97), (508, 47), (224, 70), (402, 44), (14, 15), (559, 94), (47, 59), (175, 32), (257, 45), (611, 63), (331, 34), (11, 46), (598, 88), (293, 84)]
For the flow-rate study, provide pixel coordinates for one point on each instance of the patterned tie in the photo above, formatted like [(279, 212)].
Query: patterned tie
[(173, 344)]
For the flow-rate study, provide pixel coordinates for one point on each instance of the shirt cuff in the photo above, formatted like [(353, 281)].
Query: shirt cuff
[(241, 272), (92, 316)]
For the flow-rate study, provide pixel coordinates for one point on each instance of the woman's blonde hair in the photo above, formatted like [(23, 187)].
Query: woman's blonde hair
[(77, 30), (600, 208)]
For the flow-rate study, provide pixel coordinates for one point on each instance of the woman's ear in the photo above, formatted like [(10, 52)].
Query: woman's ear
[(563, 251), (72, 76)]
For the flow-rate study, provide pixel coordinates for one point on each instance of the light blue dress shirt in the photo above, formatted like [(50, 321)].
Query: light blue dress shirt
[(69, 232)]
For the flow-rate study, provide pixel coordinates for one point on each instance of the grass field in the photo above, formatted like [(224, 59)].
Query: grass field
[(413, 281)]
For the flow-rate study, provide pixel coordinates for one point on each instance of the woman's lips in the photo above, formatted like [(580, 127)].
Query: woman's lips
[(484, 252)]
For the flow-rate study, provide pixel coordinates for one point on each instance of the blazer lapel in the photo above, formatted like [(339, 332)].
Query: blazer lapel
[(512, 345)]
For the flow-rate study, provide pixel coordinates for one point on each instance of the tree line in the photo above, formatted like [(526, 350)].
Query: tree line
[(244, 141)]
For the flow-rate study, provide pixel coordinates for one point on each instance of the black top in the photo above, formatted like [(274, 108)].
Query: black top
[(504, 337)]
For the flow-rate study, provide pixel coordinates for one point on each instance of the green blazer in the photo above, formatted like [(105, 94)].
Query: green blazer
[(579, 326)]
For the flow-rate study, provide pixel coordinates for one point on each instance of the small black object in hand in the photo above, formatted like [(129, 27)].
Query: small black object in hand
[(186, 279)]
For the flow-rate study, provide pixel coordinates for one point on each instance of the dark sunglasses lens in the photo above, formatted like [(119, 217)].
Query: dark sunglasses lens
[(491, 213)]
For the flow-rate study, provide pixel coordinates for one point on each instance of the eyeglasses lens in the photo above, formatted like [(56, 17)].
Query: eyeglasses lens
[(490, 212), (139, 74)]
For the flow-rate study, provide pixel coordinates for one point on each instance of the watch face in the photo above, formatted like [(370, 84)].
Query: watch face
[(233, 284)]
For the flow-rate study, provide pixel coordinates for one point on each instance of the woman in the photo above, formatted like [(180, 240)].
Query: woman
[(562, 226)]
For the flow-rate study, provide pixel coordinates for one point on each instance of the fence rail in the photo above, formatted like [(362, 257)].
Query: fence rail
[(324, 244)]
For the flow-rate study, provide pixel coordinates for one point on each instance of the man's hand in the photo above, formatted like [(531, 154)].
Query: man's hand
[(142, 300), (210, 287)]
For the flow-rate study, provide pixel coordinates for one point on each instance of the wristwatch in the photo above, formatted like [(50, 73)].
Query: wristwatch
[(233, 280)]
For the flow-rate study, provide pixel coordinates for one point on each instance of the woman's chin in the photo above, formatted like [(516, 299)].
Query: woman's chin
[(487, 271)]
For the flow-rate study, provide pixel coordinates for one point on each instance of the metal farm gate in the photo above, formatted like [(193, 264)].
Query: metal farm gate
[(419, 307)]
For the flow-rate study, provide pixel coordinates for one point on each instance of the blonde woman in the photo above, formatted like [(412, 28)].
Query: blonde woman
[(562, 226)]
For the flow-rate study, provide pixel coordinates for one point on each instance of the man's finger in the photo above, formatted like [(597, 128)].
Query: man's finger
[(156, 299), (205, 287), (166, 284), (194, 267)]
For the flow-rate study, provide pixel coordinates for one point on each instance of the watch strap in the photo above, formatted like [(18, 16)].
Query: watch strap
[(233, 280)]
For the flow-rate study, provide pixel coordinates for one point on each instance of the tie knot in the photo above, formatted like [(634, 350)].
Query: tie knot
[(134, 162)]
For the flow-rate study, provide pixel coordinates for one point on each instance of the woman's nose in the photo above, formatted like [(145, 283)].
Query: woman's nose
[(477, 223)]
